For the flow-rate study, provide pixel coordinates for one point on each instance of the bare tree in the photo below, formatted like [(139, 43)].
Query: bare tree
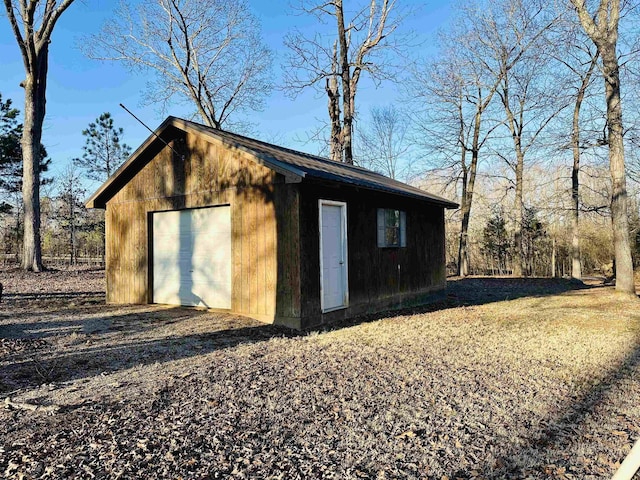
[(335, 62), (478, 61), (580, 60), (462, 95), (602, 29), (383, 141), (32, 23), (513, 35), (70, 208), (206, 52)]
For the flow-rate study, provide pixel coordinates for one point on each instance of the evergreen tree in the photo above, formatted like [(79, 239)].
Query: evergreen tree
[(496, 243), (11, 173), (11, 155), (103, 150), (535, 241), (10, 158)]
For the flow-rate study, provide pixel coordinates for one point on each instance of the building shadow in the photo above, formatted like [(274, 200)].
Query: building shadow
[(473, 291), (481, 290), (91, 353), (559, 442), (95, 344)]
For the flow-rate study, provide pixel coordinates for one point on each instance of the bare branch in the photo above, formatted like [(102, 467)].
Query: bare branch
[(364, 45), (207, 52), (50, 18), (17, 33)]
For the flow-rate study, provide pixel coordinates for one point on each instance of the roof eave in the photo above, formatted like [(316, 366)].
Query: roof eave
[(425, 197), (95, 201)]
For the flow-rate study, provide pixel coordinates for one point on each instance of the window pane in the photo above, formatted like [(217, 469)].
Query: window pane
[(391, 227), (392, 236), (392, 218)]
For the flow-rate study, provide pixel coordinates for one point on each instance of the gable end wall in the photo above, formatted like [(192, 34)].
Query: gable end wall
[(263, 209)]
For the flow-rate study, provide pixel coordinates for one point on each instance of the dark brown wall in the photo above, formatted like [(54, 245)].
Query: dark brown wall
[(264, 223), (375, 282)]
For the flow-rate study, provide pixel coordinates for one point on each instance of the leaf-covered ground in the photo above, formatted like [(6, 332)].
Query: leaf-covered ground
[(505, 379)]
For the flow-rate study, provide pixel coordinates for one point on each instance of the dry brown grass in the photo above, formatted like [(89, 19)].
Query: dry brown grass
[(506, 379)]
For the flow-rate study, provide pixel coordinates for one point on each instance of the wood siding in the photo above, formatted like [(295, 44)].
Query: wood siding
[(264, 225), (379, 278), (275, 252)]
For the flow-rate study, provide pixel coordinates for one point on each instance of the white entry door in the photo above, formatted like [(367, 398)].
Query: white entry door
[(334, 289), (192, 257)]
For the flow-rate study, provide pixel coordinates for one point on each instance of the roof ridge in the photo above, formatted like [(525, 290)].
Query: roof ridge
[(256, 145), (293, 164)]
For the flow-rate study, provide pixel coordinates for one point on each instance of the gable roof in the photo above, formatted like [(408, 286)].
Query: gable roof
[(295, 166)]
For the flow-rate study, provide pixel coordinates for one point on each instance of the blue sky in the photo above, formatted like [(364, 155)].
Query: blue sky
[(80, 89)]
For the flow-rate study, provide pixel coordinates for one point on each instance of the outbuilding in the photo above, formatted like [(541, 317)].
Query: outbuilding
[(204, 217)]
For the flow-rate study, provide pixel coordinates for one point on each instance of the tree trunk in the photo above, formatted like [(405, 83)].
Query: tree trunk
[(103, 233), (335, 145), (72, 230), (576, 266), (462, 242), (465, 209), (473, 169), (34, 112), (31, 255), (604, 35), (519, 261), (624, 263), (333, 92), (345, 71), (553, 257), (16, 235)]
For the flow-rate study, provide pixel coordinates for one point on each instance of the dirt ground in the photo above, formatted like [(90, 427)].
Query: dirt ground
[(504, 379)]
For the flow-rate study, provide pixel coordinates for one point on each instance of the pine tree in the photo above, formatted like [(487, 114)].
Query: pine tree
[(103, 150), (496, 243), (11, 171), (534, 237), (10, 158)]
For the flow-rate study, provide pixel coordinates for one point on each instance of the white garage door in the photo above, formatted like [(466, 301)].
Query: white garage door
[(192, 257)]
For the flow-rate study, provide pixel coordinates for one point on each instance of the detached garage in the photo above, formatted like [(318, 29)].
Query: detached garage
[(203, 217)]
